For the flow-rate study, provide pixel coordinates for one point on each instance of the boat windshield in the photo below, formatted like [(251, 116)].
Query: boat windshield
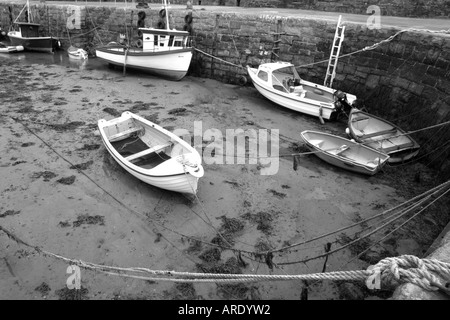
[(282, 76), (289, 71)]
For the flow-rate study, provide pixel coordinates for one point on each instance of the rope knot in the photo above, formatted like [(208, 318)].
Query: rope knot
[(402, 269)]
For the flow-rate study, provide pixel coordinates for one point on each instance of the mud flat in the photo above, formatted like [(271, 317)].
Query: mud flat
[(49, 199)]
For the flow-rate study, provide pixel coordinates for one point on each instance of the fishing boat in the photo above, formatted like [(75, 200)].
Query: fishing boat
[(28, 36), (151, 153), (344, 153), (163, 52), (281, 83), (382, 135), (77, 53), (10, 49)]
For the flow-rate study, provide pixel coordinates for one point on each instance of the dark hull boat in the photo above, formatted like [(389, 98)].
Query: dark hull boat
[(28, 36)]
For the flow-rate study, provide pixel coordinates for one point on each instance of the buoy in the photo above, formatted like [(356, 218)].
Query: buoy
[(139, 43), (162, 13)]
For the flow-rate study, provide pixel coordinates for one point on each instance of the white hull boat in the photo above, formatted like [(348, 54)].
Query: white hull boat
[(172, 65), (344, 153), (281, 83), (77, 53), (382, 135), (162, 52), (151, 153)]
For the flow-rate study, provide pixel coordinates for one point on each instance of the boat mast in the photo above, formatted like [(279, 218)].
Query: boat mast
[(167, 14), (28, 11)]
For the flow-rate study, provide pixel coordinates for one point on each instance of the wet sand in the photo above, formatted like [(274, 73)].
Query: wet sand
[(48, 203)]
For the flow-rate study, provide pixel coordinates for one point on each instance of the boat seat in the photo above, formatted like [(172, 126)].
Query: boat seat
[(377, 133), (118, 136), (341, 149), (398, 147), (360, 119), (373, 163), (148, 151), (316, 143)]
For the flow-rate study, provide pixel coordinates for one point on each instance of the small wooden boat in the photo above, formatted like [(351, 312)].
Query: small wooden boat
[(345, 153), (10, 49), (28, 36), (151, 153), (382, 135), (163, 52), (281, 83), (77, 53)]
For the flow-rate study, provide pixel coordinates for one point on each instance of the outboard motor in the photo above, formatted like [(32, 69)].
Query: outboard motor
[(341, 103), (294, 82)]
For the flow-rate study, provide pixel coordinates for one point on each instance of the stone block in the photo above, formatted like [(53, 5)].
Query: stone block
[(372, 81)]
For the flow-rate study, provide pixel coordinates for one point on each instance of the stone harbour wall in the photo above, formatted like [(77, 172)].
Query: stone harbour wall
[(406, 79), (401, 8)]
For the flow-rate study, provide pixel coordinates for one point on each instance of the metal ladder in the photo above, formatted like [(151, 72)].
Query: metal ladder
[(276, 42), (334, 56)]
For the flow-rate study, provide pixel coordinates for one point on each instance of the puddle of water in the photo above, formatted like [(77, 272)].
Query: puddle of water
[(59, 58)]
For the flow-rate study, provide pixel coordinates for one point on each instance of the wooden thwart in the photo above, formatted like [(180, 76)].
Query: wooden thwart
[(148, 151), (119, 135), (378, 133)]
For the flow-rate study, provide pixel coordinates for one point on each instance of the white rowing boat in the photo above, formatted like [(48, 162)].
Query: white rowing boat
[(382, 135), (151, 153), (344, 153)]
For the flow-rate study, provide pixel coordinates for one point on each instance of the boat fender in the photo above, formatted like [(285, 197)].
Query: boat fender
[(318, 91), (139, 43), (162, 13), (347, 131), (242, 80)]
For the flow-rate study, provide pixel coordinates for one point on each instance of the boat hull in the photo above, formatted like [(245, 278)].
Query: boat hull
[(77, 54), (306, 97), (382, 135), (178, 172), (294, 104), (172, 65), (344, 153), (39, 44)]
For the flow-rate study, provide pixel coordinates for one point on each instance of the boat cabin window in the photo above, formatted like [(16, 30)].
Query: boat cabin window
[(162, 40), (178, 42), (29, 31), (263, 75)]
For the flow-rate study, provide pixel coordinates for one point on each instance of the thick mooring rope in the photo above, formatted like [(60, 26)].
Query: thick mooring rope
[(424, 273)]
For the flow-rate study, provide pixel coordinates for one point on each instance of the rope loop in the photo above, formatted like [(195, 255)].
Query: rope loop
[(408, 268)]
